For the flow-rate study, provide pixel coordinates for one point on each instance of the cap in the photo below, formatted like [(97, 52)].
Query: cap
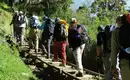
[(73, 20), (20, 12), (57, 20)]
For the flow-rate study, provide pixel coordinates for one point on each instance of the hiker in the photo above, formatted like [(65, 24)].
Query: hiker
[(15, 24), (47, 35), (120, 47), (34, 32), (103, 49), (60, 36), (100, 37), (77, 38), (22, 23)]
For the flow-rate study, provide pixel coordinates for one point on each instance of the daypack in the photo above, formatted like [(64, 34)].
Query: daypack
[(83, 35), (22, 19), (34, 22), (60, 32), (48, 28), (107, 40), (76, 37)]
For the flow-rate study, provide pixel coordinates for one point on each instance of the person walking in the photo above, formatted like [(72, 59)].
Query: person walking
[(103, 49), (60, 36), (34, 32), (15, 24), (47, 35), (77, 41), (121, 46), (22, 23)]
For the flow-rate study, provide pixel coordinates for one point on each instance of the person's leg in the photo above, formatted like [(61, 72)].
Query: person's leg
[(106, 64), (125, 69), (80, 58), (63, 52), (22, 35), (36, 41), (18, 35), (49, 46), (77, 56), (31, 37), (56, 46)]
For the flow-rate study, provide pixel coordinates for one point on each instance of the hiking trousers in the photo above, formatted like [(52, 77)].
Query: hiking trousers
[(34, 38), (60, 45), (47, 44), (125, 69), (20, 34), (106, 66), (78, 57)]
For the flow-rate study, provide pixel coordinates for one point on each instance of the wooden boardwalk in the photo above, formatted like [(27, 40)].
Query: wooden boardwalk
[(68, 72)]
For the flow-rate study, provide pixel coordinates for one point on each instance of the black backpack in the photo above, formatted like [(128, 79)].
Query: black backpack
[(60, 32), (107, 40)]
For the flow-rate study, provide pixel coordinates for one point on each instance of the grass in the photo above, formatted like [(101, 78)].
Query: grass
[(11, 66)]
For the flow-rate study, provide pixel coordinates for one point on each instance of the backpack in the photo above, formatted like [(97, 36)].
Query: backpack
[(48, 28), (107, 40), (34, 22), (22, 19), (60, 31), (83, 35)]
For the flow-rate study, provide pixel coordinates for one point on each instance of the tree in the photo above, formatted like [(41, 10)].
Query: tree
[(108, 8), (49, 7)]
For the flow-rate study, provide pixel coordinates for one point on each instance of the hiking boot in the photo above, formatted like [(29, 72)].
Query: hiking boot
[(79, 74), (48, 57), (64, 65), (36, 50)]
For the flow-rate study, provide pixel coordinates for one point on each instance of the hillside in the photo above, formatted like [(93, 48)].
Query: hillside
[(11, 66)]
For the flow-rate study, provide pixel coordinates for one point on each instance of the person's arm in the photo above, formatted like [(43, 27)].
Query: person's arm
[(99, 44)]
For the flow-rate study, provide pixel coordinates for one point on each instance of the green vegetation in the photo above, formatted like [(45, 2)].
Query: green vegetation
[(11, 66), (106, 10)]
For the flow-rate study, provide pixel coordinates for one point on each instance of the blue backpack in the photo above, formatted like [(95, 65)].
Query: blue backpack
[(48, 27), (34, 22)]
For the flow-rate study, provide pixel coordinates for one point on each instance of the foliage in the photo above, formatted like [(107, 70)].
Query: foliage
[(11, 66)]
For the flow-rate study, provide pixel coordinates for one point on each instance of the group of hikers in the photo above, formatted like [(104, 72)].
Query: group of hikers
[(113, 41), (113, 47)]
